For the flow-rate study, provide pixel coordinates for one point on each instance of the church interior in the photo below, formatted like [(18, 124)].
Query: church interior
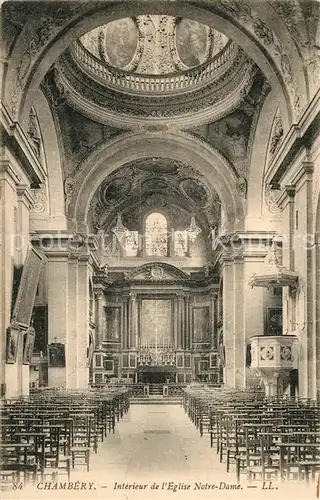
[(160, 232)]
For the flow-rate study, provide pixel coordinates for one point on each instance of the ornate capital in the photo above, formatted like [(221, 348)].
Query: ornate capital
[(133, 297), (291, 191)]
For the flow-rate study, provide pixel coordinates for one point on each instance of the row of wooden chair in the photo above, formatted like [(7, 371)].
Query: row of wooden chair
[(262, 438), (51, 432)]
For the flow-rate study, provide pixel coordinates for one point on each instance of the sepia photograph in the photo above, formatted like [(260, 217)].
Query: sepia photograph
[(160, 250)]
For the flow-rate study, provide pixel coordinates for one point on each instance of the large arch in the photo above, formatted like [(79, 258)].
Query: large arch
[(176, 146), (56, 204), (256, 207), (236, 26)]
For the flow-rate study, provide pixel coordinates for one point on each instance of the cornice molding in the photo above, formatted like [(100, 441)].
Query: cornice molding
[(298, 137), (143, 112), (16, 140)]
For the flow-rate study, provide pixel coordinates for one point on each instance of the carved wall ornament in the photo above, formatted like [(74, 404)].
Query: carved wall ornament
[(266, 353), (34, 133), (47, 27), (277, 134), (40, 198), (271, 197), (266, 35), (241, 186), (237, 9), (54, 89), (68, 190), (291, 13), (263, 31), (155, 273), (285, 353)]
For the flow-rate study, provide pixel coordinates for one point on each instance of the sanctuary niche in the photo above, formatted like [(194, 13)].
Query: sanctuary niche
[(157, 325), (156, 292)]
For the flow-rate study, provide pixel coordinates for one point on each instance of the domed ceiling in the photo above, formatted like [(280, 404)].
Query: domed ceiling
[(154, 183), (154, 44)]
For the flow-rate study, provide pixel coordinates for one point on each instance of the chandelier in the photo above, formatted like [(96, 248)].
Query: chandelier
[(193, 229), (119, 230)]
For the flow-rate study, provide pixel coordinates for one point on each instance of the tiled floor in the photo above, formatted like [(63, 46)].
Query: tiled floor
[(156, 453)]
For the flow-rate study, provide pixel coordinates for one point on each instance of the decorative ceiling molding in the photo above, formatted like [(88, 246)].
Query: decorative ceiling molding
[(59, 23), (179, 147), (141, 186), (244, 13), (153, 45), (113, 108)]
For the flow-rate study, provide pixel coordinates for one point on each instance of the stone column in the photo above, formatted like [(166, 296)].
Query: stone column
[(233, 321), (180, 320), (239, 330), (187, 322), (291, 194), (228, 321), (125, 323), (68, 270), (9, 181), (24, 205), (82, 338), (72, 322), (176, 322), (99, 316), (213, 321), (303, 262), (58, 311), (133, 342)]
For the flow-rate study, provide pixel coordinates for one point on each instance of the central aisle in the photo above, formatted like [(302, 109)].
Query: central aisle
[(157, 440), (157, 453)]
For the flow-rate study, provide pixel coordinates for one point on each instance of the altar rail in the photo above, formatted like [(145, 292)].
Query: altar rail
[(139, 390)]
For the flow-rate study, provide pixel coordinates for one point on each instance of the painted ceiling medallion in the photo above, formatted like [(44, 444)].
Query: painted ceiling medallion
[(120, 42), (158, 166), (155, 184), (117, 189), (195, 191), (193, 42), (154, 44)]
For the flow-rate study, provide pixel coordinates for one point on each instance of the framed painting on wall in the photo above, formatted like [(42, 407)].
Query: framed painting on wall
[(27, 290), (12, 340), (132, 360), (200, 323), (56, 355), (187, 360), (180, 360), (109, 365)]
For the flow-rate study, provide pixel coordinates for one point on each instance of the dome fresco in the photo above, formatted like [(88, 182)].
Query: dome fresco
[(154, 44)]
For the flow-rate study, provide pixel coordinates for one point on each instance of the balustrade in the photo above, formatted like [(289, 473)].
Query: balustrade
[(153, 83)]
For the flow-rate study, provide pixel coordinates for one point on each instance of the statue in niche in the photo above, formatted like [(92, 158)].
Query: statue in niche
[(34, 133), (180, 243), (131, 244), (28, 344)]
